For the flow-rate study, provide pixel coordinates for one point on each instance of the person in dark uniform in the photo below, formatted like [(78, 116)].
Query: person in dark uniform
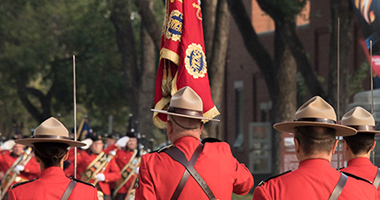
[(212, 165), (357, 148), (315, 130), (50, 141)]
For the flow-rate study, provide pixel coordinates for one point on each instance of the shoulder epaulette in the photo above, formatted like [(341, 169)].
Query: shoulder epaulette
[(211, 140), (21, 183), (272, 177), (164, 148), (90, 184), (357, 177)]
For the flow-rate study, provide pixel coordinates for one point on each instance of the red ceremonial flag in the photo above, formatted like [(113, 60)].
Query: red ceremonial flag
[(182, 58)]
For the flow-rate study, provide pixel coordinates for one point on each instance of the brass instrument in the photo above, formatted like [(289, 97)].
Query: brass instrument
[(127, 172), (12, 176), (98, 165)]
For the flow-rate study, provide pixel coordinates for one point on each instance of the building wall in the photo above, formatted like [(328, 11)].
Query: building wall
[(243, 74)]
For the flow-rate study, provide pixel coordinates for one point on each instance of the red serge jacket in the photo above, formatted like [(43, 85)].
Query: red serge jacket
[(314, 179), (111, 173), (51, 185), (363, 168), (159, 174), (122, 158)]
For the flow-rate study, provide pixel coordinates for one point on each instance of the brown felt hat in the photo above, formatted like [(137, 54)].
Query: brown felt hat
[(315, 112), (185, 103), (360, 119), (51, 130)]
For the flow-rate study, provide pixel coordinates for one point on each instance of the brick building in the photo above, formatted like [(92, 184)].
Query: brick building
[(247, 104)]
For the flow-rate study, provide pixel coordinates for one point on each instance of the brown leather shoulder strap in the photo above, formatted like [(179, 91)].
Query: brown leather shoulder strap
[(180, 157), (186, 174), (68, 190), (376, 182), (339, 187)]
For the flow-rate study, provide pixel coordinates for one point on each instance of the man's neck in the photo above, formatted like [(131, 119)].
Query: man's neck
[(350, 155)]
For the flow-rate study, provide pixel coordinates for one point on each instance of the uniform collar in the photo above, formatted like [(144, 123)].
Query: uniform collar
[(52, 171), (187, 145), (359, 161), (316, 162)]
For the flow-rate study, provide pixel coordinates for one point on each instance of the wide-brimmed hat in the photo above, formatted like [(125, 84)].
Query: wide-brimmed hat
[(51, 130), (185, 103), (360, 119), (315, 112)]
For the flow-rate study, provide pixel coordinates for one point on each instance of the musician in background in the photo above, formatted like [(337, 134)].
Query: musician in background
[(27, 170), (127, 146), (101, 168), (69, 164), (110, 139)]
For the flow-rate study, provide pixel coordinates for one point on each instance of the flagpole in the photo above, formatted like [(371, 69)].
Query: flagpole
[(337, 85), (75, 119), (371, 77)]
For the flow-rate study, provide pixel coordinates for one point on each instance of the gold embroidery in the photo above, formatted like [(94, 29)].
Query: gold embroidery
[(195, 61)]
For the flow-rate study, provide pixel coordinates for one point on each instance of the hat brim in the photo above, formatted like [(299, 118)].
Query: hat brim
[(375, 132), (289, 127), (31, 141), (182, 115)]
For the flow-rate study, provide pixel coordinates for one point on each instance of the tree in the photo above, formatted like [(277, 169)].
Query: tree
[(38, 41), (290, 56)]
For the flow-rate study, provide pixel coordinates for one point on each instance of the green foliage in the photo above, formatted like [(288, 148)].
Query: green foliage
[(356, 80), (37, 41)]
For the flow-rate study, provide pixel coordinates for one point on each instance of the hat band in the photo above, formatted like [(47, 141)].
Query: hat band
[(51, 137), (364, 127), (182, 111), (323, 120)]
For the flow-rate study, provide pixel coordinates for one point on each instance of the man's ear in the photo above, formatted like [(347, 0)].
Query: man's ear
[(201, 128), (296, 145), (335, 145), (373, 146), (66, 156)]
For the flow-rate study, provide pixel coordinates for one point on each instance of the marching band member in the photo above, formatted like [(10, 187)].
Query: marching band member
[(212, 165), (50, 141), (125, 156), (315, 130), (357, 148), (100, 168), (19, 166)]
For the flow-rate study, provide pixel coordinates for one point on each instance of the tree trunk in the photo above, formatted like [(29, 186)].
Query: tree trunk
[(344, 11), (209, 12), (217, 63), (120, 18), (285, 102), (148, 64)]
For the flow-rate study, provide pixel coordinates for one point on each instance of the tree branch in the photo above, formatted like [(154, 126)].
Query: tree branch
[(253, 44)]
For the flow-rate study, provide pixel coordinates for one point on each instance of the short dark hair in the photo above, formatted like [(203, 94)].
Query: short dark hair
[(360, 142), (315, 139), (50, 153)]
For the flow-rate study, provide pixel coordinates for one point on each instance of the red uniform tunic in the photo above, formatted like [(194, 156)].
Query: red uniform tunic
[(111, 173), (314, 179), (363, 168), (81, 156), (31, 169), (159, 174), (122, 158), (51, 185)]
